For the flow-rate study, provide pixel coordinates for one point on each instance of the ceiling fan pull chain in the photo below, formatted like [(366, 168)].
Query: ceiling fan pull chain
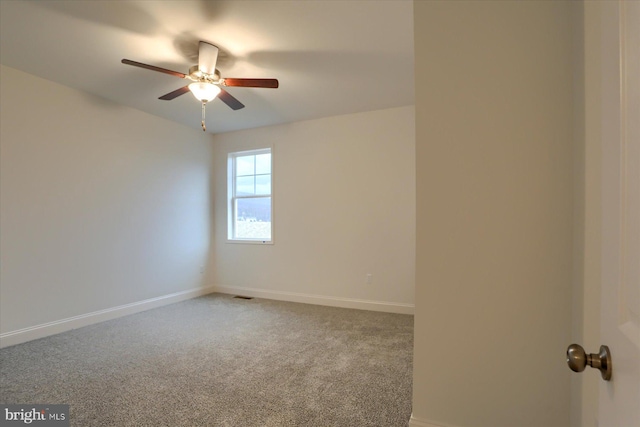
[(204, 128)]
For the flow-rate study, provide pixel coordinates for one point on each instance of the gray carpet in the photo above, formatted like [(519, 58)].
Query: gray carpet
[(219, 361)]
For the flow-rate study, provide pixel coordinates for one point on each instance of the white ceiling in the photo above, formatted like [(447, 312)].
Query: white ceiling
[(331, 57)]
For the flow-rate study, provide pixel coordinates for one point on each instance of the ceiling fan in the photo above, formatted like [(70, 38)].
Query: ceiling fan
[(207, 80)]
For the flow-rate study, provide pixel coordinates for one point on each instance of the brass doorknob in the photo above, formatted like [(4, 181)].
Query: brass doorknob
[(578, 359)]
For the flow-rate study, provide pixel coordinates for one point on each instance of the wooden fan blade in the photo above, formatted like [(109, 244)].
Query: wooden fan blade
[(266, 83), (176, 93), (230, 100), (207, 57), (153, 68)]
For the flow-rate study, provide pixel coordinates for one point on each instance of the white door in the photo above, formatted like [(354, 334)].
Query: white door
[(619, 400)]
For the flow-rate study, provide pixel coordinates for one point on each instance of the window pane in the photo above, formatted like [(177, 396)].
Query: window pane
[(245, 165), (253, 218), (263, 163), (245, 186), (263, 184)]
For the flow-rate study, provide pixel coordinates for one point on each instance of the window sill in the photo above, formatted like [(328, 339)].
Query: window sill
[(250, 242)]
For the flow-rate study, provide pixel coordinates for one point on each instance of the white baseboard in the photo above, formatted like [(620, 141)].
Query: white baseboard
[(388, 307), (417, 422), (58, 326)]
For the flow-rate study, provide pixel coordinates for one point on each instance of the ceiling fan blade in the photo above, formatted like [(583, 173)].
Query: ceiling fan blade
[(266, 83), (230, 100), (176, 93), (207, 57), (153, 68)]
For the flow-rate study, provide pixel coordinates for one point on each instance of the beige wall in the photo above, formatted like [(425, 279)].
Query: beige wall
[(344, 206), (494, 129), (101, 205)]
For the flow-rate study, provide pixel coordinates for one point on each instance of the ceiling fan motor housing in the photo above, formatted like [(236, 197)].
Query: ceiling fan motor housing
[(198, 75)]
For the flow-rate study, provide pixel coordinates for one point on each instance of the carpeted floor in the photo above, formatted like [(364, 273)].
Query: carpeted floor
[(221, 361)]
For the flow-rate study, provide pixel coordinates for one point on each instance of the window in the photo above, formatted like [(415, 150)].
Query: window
[(249, 194)]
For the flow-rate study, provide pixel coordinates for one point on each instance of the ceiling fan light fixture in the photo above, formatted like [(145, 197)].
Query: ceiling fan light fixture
[(203, 91)]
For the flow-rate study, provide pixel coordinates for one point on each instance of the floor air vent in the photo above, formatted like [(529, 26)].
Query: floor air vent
[(241, 297)]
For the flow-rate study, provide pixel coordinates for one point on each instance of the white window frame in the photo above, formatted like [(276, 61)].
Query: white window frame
[(231, 197)]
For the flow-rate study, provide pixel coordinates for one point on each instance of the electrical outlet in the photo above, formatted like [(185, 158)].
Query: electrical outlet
[(368, 278)]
